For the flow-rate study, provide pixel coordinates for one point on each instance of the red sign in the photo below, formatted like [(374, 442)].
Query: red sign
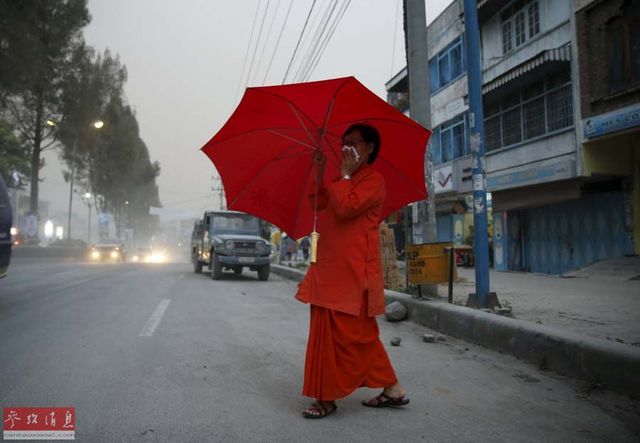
[(39, 423)]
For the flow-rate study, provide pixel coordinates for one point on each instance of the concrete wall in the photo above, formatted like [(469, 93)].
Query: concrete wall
[(563, 144), (445, 28), (555, 31), (449, 101)]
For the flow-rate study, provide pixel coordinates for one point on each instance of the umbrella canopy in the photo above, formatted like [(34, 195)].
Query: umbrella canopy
[(264, 152)]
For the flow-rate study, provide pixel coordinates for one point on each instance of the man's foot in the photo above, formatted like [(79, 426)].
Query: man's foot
[(320, 409), (385, 401)]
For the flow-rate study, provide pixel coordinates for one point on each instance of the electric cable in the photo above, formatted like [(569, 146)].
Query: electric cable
[(246, 54), (275, 49), (284, 79)]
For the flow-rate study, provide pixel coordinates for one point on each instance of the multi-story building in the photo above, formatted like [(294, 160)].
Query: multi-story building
[(561, 199), (608, 46)]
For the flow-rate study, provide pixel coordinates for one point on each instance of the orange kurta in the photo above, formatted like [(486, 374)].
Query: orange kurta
[(349, 246)]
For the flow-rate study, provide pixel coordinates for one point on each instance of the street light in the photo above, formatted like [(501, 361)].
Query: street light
[(98, 124), (87, 196)]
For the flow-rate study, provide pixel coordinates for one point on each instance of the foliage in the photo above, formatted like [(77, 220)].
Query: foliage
[(48, 73), (14, 157), (113, 162), (37, 38)]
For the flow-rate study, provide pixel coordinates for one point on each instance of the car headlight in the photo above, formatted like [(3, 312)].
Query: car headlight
[(262, 246), (229, 245), (114, 254), (95, 255)]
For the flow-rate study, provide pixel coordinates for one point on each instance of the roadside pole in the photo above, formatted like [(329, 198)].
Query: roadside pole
[(420, 109), (481, 297)]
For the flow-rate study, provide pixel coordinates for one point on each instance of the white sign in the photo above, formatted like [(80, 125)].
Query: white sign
[(443, 179), (478, 182)]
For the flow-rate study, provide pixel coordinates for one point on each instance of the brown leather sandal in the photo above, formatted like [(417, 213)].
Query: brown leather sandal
[(319, 409)]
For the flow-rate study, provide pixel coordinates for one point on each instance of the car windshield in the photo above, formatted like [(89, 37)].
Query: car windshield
[(240, 224)]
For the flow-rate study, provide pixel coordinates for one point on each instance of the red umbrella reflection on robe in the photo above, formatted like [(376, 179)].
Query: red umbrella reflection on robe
[(264, 152)]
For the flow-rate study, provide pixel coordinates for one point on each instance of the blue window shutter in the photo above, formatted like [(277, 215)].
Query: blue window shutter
[(433, 74)]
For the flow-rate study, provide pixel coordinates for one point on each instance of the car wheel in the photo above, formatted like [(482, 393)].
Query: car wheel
[(263, 272), (237, 270), (216, 268), (197, 264)]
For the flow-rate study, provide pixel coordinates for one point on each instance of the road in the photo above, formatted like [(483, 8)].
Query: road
[(158, 353)]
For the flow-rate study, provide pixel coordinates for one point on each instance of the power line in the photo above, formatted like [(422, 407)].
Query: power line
[(327, 39), (277, 42), (284, 79), (246, 54), (315, 40), (266, 41), (255, 49)]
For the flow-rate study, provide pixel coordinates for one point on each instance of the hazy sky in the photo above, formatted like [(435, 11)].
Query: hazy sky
[(185, 60)]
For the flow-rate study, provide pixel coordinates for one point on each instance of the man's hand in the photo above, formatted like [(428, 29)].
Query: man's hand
[(319, 161), (349, 163)]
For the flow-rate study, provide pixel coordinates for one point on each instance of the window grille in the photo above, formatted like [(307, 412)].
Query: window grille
[(540, 109)]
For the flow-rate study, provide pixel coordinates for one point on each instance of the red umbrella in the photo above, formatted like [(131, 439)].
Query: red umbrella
[(264, 152)]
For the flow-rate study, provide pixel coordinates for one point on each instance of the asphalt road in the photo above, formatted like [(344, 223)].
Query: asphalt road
[(157, 353)]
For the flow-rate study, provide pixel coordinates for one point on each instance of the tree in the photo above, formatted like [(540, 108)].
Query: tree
[(37, 38), (14, 157)]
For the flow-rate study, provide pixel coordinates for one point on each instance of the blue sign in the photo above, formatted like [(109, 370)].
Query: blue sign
[(558, 171), (613, 121)]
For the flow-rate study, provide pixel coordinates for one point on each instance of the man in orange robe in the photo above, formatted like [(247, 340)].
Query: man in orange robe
[(345, 287)]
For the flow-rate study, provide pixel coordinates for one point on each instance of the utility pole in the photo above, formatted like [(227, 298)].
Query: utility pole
[(481, 297), (72, 174), (420, 110)]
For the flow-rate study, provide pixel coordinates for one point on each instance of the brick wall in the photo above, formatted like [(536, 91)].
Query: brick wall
[(593, 60)]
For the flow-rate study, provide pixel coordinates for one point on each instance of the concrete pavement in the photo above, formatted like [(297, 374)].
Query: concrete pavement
[(568, 347), (225, 360)]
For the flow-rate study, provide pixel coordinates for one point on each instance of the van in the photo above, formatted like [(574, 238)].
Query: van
[(6, 218)]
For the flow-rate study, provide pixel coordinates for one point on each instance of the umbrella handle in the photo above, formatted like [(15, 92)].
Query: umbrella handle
[(314, 246)]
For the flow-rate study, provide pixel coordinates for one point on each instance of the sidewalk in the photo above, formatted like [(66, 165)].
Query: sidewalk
[(602, 300), (585, 325)]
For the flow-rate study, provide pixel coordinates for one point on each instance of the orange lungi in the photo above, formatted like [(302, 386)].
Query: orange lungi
[(344, 352)]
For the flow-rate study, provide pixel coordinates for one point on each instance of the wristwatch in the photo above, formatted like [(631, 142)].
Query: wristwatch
[(346, 177)]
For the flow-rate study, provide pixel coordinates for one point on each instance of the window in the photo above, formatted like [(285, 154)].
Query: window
[(450, 140), (534, 111), (623, 37), (520, 22), (521, 35), (534, 19), (447, 65), (507, 44)]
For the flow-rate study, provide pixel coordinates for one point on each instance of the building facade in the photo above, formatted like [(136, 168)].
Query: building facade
[(563, 188)]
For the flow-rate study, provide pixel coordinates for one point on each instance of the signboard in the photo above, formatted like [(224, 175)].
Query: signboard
[(443, 179), (540, 174), (613, 121), (428, 263)]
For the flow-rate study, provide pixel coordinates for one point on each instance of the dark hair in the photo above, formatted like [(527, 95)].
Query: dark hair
[(369, 135)]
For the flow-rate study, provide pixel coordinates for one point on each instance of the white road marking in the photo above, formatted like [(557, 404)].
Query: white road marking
[(155, 318)]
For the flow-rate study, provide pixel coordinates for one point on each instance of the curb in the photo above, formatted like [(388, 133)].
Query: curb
[(614, 365), (47, 253)]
